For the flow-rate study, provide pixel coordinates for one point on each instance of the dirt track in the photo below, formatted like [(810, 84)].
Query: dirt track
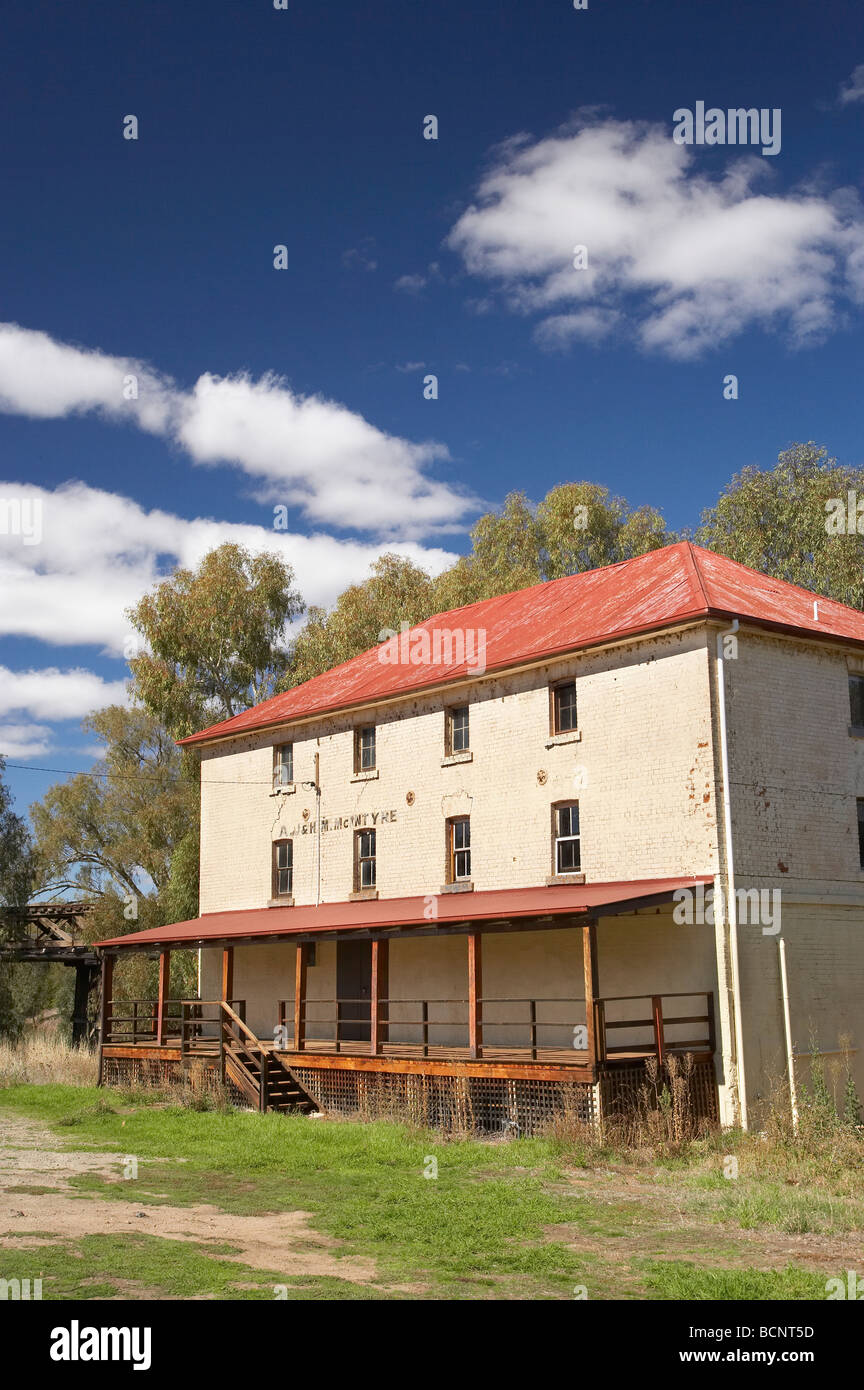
[(32, 1156)]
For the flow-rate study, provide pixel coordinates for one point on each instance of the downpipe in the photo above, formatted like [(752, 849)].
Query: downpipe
[(731, 903)]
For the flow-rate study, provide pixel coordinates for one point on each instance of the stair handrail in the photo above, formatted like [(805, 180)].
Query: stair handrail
[(235, 1018), (257, 1053)]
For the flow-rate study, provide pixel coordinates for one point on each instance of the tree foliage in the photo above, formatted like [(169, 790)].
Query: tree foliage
[(396, 591), (577, 526), (111, 834), (16, 855), (775, 521), (216, 638), (24, 989)]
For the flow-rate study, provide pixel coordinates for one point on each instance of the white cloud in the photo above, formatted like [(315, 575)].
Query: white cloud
[(587, 325), (414, 284), (686, 258), (100, 552), (24, 741), (853, 88), (46, 379), (361, 257), (410, 284), (305, 451), (53, 694), (314, 454)]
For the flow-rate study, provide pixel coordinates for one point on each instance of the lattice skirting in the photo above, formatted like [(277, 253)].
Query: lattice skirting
[(145, 1071), (491, 1104), (625, 1090), (140, 1071), (487, 1103)]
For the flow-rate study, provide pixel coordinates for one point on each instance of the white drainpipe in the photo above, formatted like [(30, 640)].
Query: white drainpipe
[(318, 828), (731, 905), (787, 1025)]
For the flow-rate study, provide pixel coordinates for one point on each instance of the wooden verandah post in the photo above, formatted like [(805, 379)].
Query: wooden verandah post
[(300, 997), (227, 974), (380, 992), (164, 986), (595, 1043), (475, 994)]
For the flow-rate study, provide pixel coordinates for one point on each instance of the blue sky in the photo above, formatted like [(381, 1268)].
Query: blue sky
[(258, 387)]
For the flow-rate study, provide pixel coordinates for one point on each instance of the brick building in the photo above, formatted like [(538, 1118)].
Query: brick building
[(510, 853)]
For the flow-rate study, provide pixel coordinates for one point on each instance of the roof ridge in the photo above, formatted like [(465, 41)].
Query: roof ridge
[(690, 552)]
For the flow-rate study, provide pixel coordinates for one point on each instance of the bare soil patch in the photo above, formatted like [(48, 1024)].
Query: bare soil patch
[(29, 1154)]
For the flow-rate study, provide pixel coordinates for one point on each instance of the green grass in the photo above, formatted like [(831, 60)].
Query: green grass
[(104, 1266), (679, 1280), (501, 1220), (765, 1204)]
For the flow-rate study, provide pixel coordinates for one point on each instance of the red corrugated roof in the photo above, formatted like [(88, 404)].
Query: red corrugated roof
[(499, 904), (668, 586)]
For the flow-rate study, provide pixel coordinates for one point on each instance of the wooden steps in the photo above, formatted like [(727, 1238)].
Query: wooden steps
[(265, 1081)]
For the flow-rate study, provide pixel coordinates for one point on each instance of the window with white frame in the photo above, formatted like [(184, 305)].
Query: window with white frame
[(364, 749), (568, 850), (283, 868), (564, 716), (364, 860), (458, 737), (459, 849), (283, 765)]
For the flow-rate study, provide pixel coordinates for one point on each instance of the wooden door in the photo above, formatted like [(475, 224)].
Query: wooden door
[(354, 989)]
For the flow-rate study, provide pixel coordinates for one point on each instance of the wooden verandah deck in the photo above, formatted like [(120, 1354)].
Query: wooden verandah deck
[(502, 1057)]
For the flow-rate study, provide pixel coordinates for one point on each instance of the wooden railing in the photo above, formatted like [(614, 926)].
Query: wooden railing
[(138, 1024), (340, 1021), (658, 1020), (210, 1026)]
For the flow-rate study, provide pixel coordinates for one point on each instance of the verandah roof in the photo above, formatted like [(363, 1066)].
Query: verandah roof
[(382, 914)]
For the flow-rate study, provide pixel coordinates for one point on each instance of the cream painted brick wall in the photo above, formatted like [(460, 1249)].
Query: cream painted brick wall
[(825, 966), (642, 772), (796, 772)]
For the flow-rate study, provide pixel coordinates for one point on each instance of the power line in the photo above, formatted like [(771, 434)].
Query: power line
[(140, 776)]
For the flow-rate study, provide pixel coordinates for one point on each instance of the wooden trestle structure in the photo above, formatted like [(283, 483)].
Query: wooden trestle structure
[(50, 933)]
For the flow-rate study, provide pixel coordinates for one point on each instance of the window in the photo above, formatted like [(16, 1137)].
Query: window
[(283, 765), (283, 868), (568, 855), (364, 859), (564, 708), (856, 701), (861, 831), (458, 849), (457, 730), (364, 749)]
